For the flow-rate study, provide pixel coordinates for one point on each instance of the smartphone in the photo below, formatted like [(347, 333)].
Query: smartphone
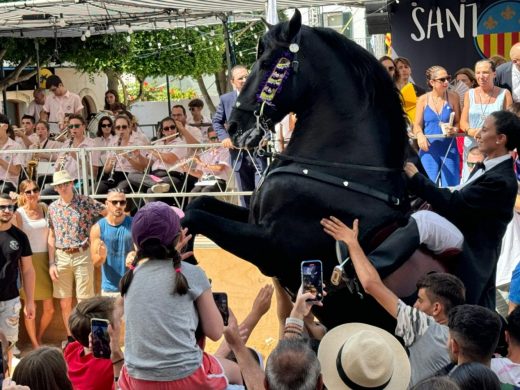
[(312, 278), (100, 338), (222, 304)]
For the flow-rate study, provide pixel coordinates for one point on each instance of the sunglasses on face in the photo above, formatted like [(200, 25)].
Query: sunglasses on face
[(62, 185), (76, 126), (213, 138), (32, 191), (118, 202), (103, 125), (7, 207), (169, 128), (444, 79), (192, 108), (123, 127), (471, 164)]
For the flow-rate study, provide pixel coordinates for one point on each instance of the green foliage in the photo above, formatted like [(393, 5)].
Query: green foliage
[(158, 93), (245, 38)]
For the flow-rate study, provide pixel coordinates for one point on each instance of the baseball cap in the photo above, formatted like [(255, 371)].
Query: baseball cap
[(155, 220)]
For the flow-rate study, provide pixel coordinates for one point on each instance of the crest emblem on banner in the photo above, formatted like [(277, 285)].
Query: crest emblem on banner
[(498, 28)]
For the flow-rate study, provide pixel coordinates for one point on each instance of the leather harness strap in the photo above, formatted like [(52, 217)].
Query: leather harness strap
[(295, 169)]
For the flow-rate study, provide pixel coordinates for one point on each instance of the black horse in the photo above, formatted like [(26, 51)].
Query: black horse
[(345, 159)]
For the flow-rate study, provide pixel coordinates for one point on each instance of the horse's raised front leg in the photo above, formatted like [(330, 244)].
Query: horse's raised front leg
[(247, 241), (218, 207)]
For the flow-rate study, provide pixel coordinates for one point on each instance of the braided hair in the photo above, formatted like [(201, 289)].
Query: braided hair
[(152, 248)]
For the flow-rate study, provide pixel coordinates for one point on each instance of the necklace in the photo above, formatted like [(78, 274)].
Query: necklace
[(437, 111), (485, 106)]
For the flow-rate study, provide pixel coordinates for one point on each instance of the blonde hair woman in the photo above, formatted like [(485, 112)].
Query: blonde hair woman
[(479, 102), (31, 218)]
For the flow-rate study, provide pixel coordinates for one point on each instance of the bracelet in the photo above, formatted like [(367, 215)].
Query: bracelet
[(295, 328), (118, 361), (295, 321), (293, 332)]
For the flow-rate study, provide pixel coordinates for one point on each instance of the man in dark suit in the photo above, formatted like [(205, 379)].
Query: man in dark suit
[(481, 208), (248, 168), (508, 74)]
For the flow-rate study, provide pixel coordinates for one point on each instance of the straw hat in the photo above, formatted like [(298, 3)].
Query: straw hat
[(358, 355), (61, 177)]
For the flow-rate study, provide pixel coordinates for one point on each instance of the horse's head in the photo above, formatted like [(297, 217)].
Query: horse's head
[(264, 99)]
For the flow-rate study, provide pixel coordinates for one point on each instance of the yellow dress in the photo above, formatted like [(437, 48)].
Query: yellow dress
[(409, 99)]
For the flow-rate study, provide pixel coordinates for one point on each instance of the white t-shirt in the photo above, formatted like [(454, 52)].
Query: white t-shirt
[(507, 371)]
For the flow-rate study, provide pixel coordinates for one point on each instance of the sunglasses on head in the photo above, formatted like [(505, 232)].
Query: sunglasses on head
[(31, 191), (75, 126), (124, 127), (444, 79), (116, 202), (106, 125), (7, 207), (169, 128)]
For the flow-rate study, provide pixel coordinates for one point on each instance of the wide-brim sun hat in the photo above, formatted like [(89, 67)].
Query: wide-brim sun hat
[(61, 177), (356, 355), (155, 220)]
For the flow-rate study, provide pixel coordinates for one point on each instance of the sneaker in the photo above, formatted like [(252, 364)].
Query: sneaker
[(160, 188)]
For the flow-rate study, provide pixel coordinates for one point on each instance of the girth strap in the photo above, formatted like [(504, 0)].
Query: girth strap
[(336, 181)]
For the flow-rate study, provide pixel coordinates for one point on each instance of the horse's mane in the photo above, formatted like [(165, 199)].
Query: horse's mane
[(371, 79)]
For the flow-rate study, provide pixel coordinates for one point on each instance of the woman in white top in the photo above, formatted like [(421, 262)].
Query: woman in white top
[(31, 218), (104, 136)]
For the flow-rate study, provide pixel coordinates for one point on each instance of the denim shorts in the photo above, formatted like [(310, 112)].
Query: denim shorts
[(10, 318)]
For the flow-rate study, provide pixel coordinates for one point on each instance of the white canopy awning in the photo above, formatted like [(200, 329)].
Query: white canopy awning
[(40, 18)]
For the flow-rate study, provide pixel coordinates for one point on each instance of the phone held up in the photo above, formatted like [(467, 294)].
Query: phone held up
[(222, 305), (312, 278), (100, 338)]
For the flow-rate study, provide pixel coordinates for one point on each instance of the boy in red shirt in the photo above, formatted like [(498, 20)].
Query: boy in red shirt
[(85, 371)]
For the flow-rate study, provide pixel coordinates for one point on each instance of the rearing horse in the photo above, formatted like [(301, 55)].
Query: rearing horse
[(345, 159)]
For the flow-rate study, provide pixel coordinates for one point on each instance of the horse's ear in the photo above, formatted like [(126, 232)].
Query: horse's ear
[(295, 24)]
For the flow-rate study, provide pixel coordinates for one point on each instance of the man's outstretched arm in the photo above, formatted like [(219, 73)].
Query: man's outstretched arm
[(366, 272)]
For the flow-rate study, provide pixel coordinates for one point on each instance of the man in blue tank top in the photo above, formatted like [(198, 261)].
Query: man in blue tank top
[(111, 239)]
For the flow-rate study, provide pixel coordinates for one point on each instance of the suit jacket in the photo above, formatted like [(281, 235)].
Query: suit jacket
[(504, 77), (227, 102), (481, 210)]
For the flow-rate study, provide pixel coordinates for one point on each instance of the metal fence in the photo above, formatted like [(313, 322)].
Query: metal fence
[(87, 181)]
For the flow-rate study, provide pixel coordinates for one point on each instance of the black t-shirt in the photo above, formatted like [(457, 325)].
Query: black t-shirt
[(14, 244)]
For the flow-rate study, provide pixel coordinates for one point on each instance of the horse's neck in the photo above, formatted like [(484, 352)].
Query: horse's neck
[(325, 134)]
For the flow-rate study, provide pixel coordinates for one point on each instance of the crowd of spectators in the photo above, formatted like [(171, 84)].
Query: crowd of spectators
[(160, 308)]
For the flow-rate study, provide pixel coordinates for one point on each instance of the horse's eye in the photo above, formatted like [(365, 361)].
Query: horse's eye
[(259, 49)]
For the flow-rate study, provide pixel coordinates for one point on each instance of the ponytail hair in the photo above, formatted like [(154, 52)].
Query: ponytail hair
[(430, 73), (154, 249), (508, 124)]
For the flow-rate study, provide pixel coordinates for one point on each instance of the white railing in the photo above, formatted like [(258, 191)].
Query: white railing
[(88, 180)]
